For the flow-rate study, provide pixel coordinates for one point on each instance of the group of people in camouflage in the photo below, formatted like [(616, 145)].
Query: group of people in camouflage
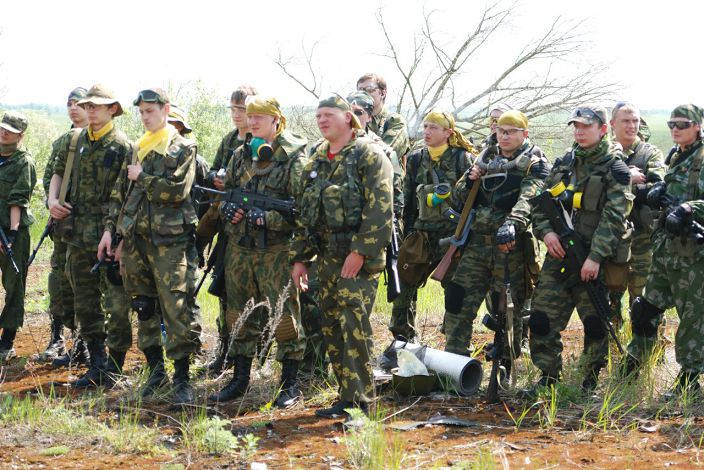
[(130, 230)]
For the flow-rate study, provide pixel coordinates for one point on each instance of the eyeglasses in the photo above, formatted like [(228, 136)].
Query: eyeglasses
[(508, 131), (149, 96), (681, 125), (370, 89), (358, 112)]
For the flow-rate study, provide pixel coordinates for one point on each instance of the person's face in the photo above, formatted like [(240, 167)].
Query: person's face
[(510, 138), (588, 135), (493, 119), (76, 114), (684, 137), (262, 126), (9, 138), (377, 94), (362, 115), (435, 135), (99, 114), (238, 115), (333, 123), (625, 125), (153, 115)]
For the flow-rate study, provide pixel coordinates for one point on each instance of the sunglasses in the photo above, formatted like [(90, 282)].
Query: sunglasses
[(508, 131), (149, 96), (681, 125)]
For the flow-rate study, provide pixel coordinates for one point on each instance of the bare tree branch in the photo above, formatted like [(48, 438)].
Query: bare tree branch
[(286, 63)]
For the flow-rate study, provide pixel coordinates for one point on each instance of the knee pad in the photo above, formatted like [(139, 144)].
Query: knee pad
[(539, 323), (594, 328), (454, 296), (286, 329), (642, 315), (144, 306)]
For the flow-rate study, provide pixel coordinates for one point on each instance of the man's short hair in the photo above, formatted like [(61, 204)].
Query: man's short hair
[(242, 92), (624, 105), (378, 79)]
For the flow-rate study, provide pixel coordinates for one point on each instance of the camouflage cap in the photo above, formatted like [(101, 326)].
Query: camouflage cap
[(588, 114), (179, 115), (99, 94), (337, 101), (77, 94), (152, 95), (688, 111), (362, 99), (14, 122)]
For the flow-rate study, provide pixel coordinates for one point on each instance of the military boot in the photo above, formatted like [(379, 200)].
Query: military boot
[(217, 365), (113, 370), (687, 383), (337, 410), (289, 394), (56, 347), (237, 385), (7, 339), (183, 391), (78, 354), (157, 373), (96, 372)]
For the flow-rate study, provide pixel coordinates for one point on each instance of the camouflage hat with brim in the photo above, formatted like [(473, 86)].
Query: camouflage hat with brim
[(688, 111), (77, 94), (362, 99), (99, 94), (337, 101), (14, 122), (588, 115), (179, 115)]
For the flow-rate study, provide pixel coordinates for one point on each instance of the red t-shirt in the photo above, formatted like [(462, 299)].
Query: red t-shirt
[(331, 156)]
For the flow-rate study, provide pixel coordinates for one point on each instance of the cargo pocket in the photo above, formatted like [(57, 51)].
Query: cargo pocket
[(332, 205)]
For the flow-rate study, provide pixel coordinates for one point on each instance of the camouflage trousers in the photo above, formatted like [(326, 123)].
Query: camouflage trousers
[(312, 321), (641, 258), (480, 272), (163, 273), (554, 299), (683, 289), (12, 315), (263, 276), (60, 293), (347, 306), (102, 309)]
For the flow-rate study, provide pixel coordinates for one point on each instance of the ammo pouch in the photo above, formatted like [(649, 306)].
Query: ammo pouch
[(415, 259), (616, 268), (425, 213)]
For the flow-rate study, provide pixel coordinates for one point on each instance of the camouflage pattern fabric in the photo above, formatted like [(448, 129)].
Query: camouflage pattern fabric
[(346, 205), (226, 150), (391, 127), (312, 322), (12, 315)]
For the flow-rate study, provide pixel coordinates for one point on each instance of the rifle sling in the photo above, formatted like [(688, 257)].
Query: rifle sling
[(75, 134), (468, 204)]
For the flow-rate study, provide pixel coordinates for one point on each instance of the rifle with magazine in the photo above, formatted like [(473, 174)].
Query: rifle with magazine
[(5, 243)]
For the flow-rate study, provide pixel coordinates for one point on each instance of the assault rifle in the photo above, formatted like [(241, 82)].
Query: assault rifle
[(496, 322), (246, 200), (659, 199), (576, 253), (107, 260), (47, 230), (393, 285), (216, 261), (5, 243)]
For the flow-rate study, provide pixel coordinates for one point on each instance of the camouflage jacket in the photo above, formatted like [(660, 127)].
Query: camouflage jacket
[(685, 183), (57, 146), (201, 179), (603, 178), (158, 204), (96, 166), (17, 180), (280, 179), (505, 196), (648, 158), (422, 176), (391, 127), (346, 204), (226, 150)]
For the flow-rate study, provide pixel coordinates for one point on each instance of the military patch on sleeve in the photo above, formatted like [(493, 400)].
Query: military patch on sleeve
[(175, 150), (621, 173)]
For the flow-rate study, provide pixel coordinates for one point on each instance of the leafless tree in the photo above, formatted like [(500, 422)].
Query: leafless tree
[(544, 75)]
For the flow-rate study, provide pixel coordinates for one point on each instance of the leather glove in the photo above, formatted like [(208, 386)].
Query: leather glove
[(677, 221), (506, 233), (11, 236), (656, 196), (256, 218), (228, 209)]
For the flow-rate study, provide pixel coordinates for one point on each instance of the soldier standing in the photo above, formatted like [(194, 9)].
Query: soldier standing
[(258, 245), (675, 277), (598, 197), (78, 199), (346, 211), (500, 230), (17, 180), (60, 293)]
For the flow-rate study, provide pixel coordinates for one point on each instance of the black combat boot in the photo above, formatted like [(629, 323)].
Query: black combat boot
[(56, 346), (687, 382), (183, 391), (289, 394), (239, 383), (96, 372), (6, 341), (157, 373), (77, 355), (217, 365), (337, 410), (113, 369)]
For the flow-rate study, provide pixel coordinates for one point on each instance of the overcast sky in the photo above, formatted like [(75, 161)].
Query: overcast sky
[(49, 47)]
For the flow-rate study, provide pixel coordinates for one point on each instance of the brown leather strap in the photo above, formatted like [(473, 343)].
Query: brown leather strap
[(75, 134)]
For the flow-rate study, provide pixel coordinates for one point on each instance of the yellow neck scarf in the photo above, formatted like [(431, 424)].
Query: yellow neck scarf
[(436, 152), (157, 141), (97, 135)]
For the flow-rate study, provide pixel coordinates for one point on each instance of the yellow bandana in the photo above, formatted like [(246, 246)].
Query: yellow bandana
[(97, 135), (436, 152), (270, 106), (157, 141), (446, 121)]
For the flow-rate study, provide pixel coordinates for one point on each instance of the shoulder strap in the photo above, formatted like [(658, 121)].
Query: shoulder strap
[(75, 133)]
